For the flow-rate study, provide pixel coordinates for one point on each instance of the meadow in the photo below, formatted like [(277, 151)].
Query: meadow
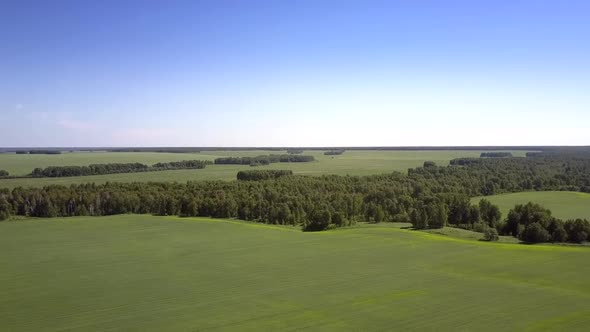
[(349, 163), (563, 204), (145, 273)]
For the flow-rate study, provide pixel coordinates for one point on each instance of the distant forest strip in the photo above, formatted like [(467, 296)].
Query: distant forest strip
[(38, 152), (162, 150), (115, 168), (264, 160), (294, 151), (495, 154), (334, 152), (428, 197), (259, 175)]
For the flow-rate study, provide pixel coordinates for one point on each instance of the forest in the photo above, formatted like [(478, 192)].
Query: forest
[(495, 154), (334, 152), (38, 152), (258, 175), (115, 168), (264, 159), (428, 197), (294, 151)]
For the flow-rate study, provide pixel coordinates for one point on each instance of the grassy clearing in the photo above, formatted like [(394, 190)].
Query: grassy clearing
[(351, 162), (149, 273), (459, 233), (563, 204)]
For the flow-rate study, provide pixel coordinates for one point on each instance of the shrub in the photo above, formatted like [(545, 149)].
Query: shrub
[(429, 164), (491, 234)]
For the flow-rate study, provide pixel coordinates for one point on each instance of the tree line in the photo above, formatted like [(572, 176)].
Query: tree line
[(294, 151), (495, 154), (259, 175), (114, 168), (334, 152), (490, 176), (160, 150), (38, 152), (533, 224), (185, 164), (264, 159)]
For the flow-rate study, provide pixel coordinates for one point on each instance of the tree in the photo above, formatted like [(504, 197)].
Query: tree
[(535, 233), (189, 206), (438, 215), (5, 208), (474, 214), (338, 219), (319, 220), (419, 218), (283, 213), (559, 235), (3, 173), (379, 215), (577, 230), (557, 231), (490, 213), (525, 215)]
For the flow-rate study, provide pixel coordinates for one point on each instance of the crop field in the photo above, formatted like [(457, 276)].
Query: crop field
[(351, 162), (147, 273), (563, 204)]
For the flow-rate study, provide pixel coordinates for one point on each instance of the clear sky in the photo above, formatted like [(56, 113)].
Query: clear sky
[(294, 73)]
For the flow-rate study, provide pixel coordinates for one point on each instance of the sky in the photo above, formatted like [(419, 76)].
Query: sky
[(294, 73)]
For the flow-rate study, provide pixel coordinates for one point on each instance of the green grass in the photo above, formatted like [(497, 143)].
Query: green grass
[(563, 204), (467, 235), (351, 162), (143, 273)]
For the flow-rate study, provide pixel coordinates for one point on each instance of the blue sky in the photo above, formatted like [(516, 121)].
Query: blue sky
[(294, 73)]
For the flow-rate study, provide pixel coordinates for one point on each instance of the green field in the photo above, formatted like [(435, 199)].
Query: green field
[(351, 162), (146, 273), (563, 204)]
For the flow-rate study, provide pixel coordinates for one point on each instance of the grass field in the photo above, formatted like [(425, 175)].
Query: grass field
[(563, 204), (146, 273), (351, 162)]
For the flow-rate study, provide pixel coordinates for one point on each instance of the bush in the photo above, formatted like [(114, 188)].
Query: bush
[(429, 164), (3, 173), (491, 234)]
